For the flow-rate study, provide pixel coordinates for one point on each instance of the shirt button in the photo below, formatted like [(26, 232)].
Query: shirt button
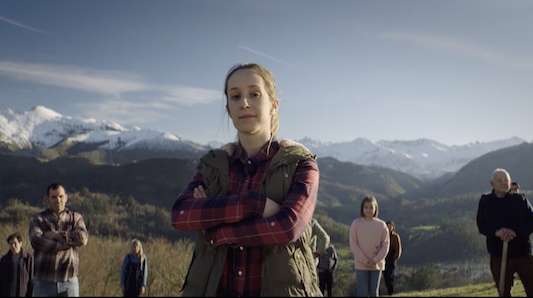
[(182, 212), (211, 241), (249, 162), (240, 273), (241, 248), (272, 224)]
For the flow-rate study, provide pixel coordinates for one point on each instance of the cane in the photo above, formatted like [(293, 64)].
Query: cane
[(503, 265)]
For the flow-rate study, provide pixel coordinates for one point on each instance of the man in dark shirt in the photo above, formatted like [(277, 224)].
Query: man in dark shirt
[(326, 266), (507, 216), (16, 270)]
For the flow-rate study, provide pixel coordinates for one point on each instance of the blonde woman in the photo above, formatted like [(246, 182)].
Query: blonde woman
[(251, 202), (134, 271)]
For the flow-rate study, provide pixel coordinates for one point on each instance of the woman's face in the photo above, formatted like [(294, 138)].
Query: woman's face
[(368, 210), (249, 104), (136, 248)]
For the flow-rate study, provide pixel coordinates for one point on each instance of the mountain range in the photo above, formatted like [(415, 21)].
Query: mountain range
[(44, 133)]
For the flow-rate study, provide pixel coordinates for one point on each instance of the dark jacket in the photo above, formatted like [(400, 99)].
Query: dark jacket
[(514, 212), (328, 261), (395, 250), (25, 274)]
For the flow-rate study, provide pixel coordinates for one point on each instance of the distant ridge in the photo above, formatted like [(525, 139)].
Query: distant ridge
[(44, 133), (422, 158)]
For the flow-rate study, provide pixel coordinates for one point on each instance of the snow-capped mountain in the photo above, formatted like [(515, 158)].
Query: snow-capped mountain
[(423, 158), (46, 128)]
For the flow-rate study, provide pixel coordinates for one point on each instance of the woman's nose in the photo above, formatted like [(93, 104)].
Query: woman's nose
[(244, 102)]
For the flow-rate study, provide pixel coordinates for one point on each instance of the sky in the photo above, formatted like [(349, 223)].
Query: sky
[(455, 72)]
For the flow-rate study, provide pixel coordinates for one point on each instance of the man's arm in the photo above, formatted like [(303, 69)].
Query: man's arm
[(322, 237), (483, 225), (526, 228), (398, 246), (334, 258), (77, 236), (39, 241)]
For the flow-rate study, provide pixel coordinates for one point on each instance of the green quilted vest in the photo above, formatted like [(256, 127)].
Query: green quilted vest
[(288, 270)]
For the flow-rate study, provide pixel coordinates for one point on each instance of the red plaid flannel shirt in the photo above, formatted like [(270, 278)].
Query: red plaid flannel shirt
[(236, 219), (57, 260)]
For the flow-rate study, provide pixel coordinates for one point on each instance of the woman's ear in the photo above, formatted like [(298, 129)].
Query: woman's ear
[(275, 106)]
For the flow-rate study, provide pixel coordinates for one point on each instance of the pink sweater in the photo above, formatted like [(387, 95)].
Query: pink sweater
[(369, 240)]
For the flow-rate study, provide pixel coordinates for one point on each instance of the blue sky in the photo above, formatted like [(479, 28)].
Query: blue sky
[(451, 71)]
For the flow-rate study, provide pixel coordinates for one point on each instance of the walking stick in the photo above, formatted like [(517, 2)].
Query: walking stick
[(502, 269)]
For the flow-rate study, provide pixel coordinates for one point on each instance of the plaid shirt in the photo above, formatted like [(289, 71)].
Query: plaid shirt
[(235, 219), (57, 261)]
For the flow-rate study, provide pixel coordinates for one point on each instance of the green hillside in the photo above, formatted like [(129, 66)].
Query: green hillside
[(442, 248)]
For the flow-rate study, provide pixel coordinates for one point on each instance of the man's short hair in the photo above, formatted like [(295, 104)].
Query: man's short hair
[(13, 236), (53, 186), (515, 183)]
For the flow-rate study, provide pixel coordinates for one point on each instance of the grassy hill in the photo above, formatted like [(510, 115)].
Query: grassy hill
[(133, 200), (479, 290)]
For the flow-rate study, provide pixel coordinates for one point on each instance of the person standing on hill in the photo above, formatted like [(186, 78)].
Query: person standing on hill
[(507, 216), (515, 187), (326, 266), (251, 202), (16, 270), (395, 251), (134, 273), (55, 235), (369, 242), (319, 241)]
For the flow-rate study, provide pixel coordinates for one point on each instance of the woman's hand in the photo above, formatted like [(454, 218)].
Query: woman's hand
[(271, 208), (142, 290), (199, 193)]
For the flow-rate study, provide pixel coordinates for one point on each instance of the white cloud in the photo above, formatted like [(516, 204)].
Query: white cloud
[(124, 112), (23, 26), (113, 83), (188, 96)]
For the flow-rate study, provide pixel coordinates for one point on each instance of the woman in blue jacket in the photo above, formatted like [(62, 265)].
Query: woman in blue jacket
[(134, 271)]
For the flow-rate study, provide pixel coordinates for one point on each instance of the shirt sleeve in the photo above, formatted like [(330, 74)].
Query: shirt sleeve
[(384, 247), (145, 267), (281, 228), (336, 258), (192, 214), (123, 270), (37, 239), (483, 225), (77, 236), (398, 251), (358, 253), (526, 229), (322, 237)]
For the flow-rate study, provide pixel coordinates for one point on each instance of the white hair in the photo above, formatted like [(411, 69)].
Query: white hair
[(500, 170)]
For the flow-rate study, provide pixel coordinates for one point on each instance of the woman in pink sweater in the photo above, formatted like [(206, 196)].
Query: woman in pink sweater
[(369, 241)]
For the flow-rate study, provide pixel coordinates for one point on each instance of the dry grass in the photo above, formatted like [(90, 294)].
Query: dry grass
[(101, 262)]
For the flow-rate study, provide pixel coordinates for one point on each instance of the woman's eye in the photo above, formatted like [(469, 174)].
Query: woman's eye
[(256, 94), (235, 96)]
